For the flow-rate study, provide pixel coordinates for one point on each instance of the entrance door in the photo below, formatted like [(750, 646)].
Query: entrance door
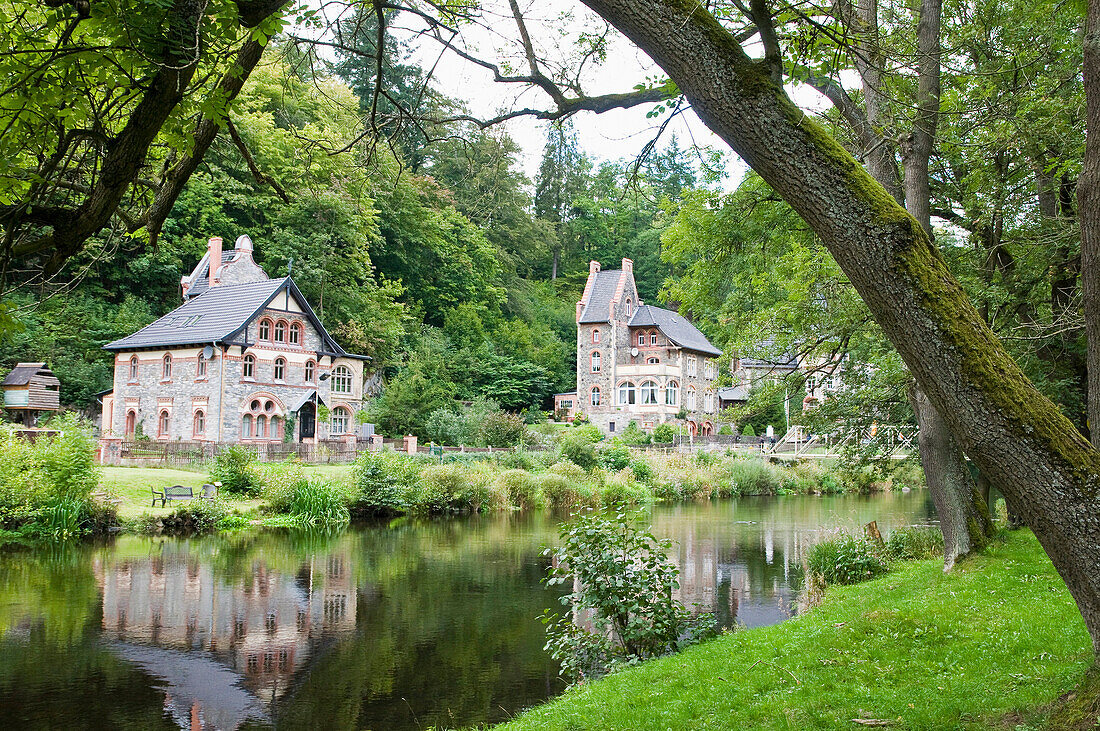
[(307, 421)]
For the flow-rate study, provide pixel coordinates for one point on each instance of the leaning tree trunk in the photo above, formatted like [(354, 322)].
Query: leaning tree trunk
[(964, 515), (1029, 449), (1088, 197)]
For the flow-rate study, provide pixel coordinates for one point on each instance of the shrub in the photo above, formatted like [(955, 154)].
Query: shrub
[(446, 426), (621, 489), (580, 451), (643, 471), (518, 460), (233, 467), (845, 560), (664, 433), (452, 488), (753, 477), (522, 488), (385, 483), (47, 485), (748, 431), (614, 457), (623, 586), (501, 429), (197, 516), (914, 544), (633, 436), (726, 430), (586, 432), (563, 493)]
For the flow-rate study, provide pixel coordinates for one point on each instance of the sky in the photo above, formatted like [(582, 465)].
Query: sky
[(554, 26)]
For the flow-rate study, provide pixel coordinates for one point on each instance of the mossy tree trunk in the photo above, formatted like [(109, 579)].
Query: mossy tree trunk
[(1017, 436)]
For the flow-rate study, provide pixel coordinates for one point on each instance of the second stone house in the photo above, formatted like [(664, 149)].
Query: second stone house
[(641, 363), (244, 359)]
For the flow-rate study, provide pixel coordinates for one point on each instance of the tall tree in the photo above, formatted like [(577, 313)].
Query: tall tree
[(560, 179)]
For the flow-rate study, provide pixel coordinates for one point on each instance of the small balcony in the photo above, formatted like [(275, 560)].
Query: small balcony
[(641, 370)]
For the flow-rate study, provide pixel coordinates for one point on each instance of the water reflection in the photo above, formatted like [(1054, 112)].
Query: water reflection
[(399, 626)]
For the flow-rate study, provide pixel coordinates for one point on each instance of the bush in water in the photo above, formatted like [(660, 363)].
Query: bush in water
[(623, 586)]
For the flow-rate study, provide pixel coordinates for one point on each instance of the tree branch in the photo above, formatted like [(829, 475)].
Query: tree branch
[(258, 174)]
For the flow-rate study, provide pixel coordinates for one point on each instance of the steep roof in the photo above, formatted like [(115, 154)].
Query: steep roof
[(217, 315), (675, 327), (199, 279), (782, 362), (22, 374), (597, 308)]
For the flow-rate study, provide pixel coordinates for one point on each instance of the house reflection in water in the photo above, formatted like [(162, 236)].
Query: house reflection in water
[(753, 582), (251, 632)]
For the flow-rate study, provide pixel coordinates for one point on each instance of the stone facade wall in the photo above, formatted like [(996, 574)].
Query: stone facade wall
[(225, 391)]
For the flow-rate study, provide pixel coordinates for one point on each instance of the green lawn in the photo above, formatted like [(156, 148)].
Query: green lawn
[(915, 649), (132, 485)]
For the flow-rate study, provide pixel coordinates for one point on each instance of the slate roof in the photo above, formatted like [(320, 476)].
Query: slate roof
[(22, 374), (199, 280), (217, 316), (733, 393), (598, 306), (675, 327)]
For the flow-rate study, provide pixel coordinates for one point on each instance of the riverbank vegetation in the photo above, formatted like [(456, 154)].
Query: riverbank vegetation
[(915, 648)]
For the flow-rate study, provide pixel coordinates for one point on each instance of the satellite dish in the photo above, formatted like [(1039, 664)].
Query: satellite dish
[(208, 352), (633, 352)]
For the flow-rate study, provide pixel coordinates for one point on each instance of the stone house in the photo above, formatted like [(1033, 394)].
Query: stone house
[(243, 359), (641, 363)]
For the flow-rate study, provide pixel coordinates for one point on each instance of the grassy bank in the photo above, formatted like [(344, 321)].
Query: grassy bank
[(988, 645)]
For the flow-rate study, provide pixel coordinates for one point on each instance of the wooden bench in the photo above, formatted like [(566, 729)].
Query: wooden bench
[(179, 492)]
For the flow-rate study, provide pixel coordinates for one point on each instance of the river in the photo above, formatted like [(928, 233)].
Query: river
[(402, 625)]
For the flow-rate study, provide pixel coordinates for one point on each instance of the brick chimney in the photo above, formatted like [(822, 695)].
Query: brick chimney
[(580, 310), (214, 250), (593, 267), (628, 265)]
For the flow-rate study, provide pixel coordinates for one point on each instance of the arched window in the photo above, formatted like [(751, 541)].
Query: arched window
[(595, 398), (280, 369), (708, 402), (595, 361), (648, 391), (280, 332), (164, 424), (341, 380), (629, 307), (166, 366), (626, 393), (200, 367), (276, 427), (311, 371), (133, 368), (248, 370), (246, 426), (341, 419), (653, 361), (200, 423), (131, 423), (641, 339), (653, 338), (596, 335), (296, 333), (672, 393), (265, 329), (261, 427), (693, 369), (690, 398)]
